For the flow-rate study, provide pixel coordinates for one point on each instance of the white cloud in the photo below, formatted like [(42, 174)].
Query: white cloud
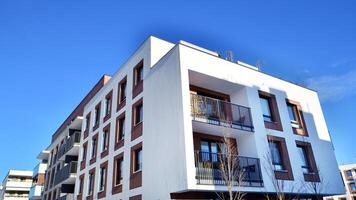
[(335, 87)]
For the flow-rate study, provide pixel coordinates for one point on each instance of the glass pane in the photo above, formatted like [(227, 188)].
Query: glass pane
[(214, 150), (275, 153), (266, 109), (204, 146), (302, 156), (291, 113)]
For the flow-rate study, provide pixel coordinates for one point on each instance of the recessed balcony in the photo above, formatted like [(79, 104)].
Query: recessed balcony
[(209, 169), (70, 146), (35, 192), (220, 113), (67, 174)]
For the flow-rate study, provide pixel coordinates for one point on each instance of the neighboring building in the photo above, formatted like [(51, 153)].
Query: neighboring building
[(348, 173), (153, 131), (16, 185), (38, 178), (62, 154)]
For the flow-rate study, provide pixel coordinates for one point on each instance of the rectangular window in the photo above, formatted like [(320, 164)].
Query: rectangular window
[(138, 160), (348, 174), (296, 118), (87, 122), (84, 153), (353, 187), (304, 159), (270, 111), (81, 182), (102, 180), (210, 150), (93, 147), (105, 141), (276, 156), (266, 109), (138, 114), (122, 93), (90, 184), (119, 163), (107, 105), (138, 74), (97, 115), (121, 129)]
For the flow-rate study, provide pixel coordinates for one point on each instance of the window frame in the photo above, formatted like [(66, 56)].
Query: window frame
[(287, 173), (137, 85), (97, 116), (121, 102), (103, 179), (313, 175), (136, 128), (276, 123), (108, 106), (117, 188), (298, 113), (135, 175), (105, 151), (119, 127)]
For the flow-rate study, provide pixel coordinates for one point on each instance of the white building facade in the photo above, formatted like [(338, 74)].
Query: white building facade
[(16, 185), (155, 130)]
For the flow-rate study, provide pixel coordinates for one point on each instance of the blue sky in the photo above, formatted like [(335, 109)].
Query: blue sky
[(53, 52)]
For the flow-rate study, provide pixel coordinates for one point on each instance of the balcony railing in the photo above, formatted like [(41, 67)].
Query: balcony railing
[(246, 170), (221, 113), (68, 144), (65, 172), (66, 197)]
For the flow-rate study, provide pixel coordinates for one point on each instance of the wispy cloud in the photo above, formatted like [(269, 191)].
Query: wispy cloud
[(334, 87)]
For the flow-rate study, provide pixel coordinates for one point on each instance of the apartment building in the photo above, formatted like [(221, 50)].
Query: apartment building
[(155, 130), (16, 185), (38, 178), (61, 156), (348, 173)]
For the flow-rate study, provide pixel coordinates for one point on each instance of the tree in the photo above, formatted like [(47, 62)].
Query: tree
[(231, 172), (317, 187)]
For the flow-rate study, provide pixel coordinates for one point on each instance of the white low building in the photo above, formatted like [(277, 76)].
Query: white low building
[(348, 173), (16, 185), (154, 130)]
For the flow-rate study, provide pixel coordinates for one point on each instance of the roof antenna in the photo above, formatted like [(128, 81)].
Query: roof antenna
[(230, 56)]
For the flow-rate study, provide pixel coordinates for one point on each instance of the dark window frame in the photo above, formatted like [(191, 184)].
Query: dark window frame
[(276, 123), (298, 112)]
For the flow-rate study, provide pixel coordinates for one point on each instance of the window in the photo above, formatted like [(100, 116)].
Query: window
[(266, 109), (138, 114), (122, 93), (270, 111), (121, 129), (276, 155), (84, 153), (293, 116), (102, 180), (138, 73), (304, 159), (108, 104), (119, 163), (348, 174), (353, 186), (97, 115), (105, 141), (209, 150), (87, 122), (138, 160), (90, 184), (81, 182), (296, 118), (93, 147)]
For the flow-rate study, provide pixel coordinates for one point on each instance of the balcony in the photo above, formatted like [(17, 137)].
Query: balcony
[(70, 146), (39, 169), (35, 192), (66, 197), (209, 169), (220, 113), (67, 174)]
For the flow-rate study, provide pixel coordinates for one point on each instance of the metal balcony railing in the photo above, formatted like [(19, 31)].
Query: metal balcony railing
[(246, 170), (65, 172), (68, 144), (221, 113)]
